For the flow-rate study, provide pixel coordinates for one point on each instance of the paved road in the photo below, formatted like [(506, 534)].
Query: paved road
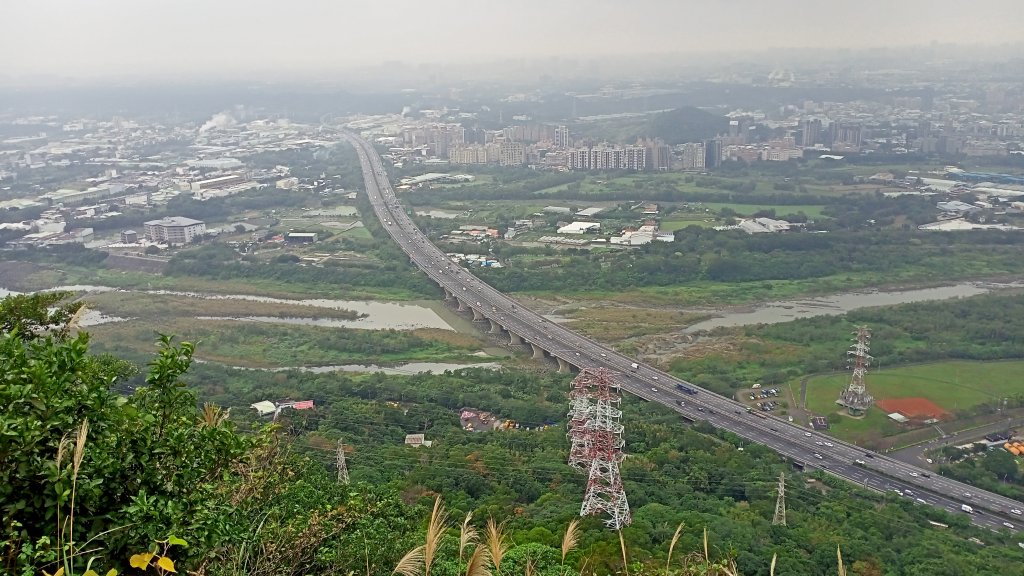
[(804, 447), (915, 454)]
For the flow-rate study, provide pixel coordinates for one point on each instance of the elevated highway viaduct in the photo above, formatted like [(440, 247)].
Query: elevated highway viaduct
[(808, 448)]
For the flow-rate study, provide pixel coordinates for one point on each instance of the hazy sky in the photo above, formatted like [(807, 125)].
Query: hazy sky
[(178, 38)]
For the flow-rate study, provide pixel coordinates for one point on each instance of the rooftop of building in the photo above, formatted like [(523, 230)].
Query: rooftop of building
[(174, 221)]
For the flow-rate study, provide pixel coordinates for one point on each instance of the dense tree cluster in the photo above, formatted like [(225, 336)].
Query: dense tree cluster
[(702, 254), (220, 261)]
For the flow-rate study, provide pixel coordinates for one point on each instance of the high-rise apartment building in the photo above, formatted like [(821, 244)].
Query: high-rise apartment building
[(692, 156), (608, 158), (712, 153), (512, 154), (810, 132), (562, 138)]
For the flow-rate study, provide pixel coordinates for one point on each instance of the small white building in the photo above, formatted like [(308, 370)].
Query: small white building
[(579, 228), (763, 225), (417, 440)]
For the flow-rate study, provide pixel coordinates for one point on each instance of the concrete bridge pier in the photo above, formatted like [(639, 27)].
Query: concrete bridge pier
[(538, 352), (478, 316), (563, 366), (447, 294), (514, 339), (462, 305), (495, 327)]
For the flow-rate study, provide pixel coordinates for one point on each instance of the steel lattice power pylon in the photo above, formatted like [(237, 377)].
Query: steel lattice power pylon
[(580, 410), (342, 464), (855, 396), (780, 502), (596, 436)]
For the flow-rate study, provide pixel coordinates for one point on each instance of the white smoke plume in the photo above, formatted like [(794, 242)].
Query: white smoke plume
[(219, 120)]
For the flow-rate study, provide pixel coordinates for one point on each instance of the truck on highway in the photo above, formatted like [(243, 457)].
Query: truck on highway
[(967, 508), (686, 389), (634, 365)]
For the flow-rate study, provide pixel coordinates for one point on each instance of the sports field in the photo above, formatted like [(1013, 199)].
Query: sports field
[(950, 385)]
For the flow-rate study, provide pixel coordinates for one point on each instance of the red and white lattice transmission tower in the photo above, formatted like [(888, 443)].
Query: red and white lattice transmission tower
[(580, 409), (596, 435)]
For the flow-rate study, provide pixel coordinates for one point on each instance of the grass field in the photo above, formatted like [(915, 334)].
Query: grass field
[(953, 385)]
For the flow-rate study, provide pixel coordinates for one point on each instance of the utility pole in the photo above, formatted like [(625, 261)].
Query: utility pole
[(780, 502), (342, 465)]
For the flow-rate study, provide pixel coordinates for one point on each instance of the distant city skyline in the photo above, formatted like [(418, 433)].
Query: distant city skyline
[(189, 39)]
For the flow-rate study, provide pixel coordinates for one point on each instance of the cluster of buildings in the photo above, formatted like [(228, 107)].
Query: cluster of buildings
[(122, 172)]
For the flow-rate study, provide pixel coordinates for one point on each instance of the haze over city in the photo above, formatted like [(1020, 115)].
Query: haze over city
[(313, 286), (266, 39)]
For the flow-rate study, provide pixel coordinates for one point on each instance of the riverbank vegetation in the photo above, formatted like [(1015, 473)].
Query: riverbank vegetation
[(985, 327), (735, 258), (267, 344)]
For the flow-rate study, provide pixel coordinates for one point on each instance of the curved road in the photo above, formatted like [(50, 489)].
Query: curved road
[(806, 447)]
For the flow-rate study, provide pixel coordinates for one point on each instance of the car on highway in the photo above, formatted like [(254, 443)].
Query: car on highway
[(1016, 511), (818, 456), (654, 389), (829, 444), (859, 461), (808, 434), (1008, 525), (914, 474)]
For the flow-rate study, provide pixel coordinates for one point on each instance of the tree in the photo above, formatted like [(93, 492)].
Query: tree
[(142, 466), (1002, 464)]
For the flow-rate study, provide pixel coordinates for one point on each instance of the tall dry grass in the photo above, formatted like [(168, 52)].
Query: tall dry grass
[(487, 555)]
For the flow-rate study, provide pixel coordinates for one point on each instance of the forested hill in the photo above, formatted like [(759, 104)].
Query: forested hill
[(687, 124)]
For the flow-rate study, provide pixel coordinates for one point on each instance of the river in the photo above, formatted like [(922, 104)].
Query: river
[(788, 310), (434, 314)]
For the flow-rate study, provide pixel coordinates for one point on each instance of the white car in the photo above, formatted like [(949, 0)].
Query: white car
[(829, 444), (654, 389), (819, 443), (1016, 511), (1008, 525), (808, 434), (818, 456), (861, 462), (914, 474)]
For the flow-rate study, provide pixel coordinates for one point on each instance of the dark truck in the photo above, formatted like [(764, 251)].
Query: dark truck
[(686, 389)]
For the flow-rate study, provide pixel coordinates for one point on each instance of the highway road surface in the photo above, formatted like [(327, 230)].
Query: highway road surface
[(808, 448)]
